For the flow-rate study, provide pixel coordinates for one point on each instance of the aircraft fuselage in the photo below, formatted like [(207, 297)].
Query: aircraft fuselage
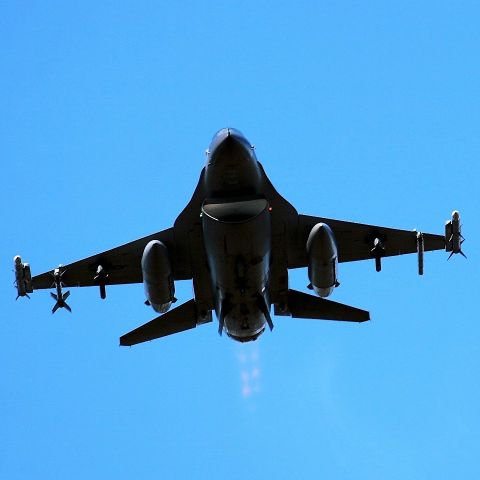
[(237, 236)]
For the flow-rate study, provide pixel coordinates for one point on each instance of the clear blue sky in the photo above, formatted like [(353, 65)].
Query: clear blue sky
[(364, 111)]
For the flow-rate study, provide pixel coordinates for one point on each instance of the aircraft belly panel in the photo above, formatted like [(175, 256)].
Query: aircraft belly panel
[(238, 254)]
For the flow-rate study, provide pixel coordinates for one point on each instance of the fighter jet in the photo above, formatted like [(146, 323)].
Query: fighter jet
[(236, 240)]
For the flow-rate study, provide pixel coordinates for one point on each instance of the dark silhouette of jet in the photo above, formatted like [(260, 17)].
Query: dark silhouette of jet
[(237, 239)]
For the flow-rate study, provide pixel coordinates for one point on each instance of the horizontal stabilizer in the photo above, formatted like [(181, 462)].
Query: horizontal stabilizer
[(302, 305), (181, 318)]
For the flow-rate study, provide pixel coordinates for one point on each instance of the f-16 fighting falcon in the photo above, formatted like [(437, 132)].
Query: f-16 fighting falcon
[(236, 240)]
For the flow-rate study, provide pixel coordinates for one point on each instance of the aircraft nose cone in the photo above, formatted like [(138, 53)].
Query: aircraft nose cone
[(232, 167), (227, 145), (229, 139), (227, 136), (234, 134)]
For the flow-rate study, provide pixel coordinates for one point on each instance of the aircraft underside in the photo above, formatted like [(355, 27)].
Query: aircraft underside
[(236, 240)]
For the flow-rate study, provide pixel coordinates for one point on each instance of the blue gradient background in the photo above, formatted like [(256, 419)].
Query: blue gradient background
[(364, 111)]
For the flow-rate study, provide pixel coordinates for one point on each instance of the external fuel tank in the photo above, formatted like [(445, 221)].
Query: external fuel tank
[(157, 276), (322, 259)]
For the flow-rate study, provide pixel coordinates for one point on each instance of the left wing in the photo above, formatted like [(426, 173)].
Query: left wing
[(355, 241), (121, 264)]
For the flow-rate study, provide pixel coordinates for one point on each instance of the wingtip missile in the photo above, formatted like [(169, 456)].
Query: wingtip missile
[(453, 235), (23, 277)]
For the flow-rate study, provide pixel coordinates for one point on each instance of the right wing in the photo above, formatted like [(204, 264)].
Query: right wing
[(355, 240), (122, 264)]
